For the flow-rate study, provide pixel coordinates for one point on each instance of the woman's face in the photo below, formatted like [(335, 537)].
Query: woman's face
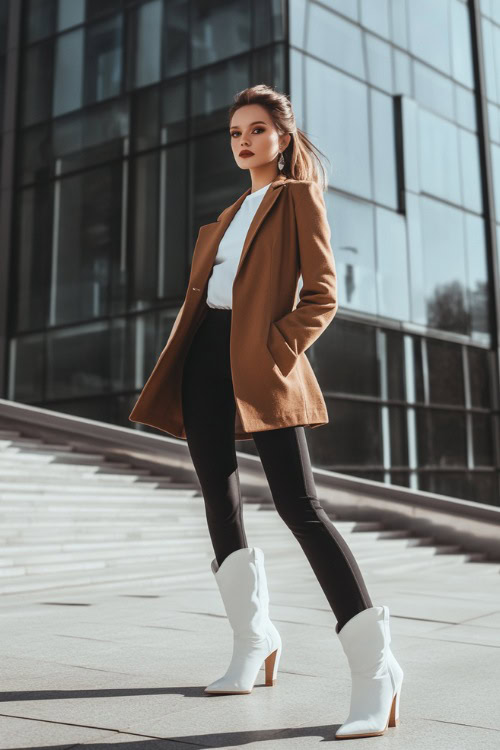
[(252, 129)]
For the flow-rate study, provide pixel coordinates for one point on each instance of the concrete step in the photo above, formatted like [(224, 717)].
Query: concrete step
[(107, 576), (36, 565)]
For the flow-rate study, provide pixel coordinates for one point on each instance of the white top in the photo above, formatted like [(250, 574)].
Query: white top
[(220, 284)]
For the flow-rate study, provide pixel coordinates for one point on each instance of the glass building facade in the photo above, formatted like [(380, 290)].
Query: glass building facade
[(115, 148)]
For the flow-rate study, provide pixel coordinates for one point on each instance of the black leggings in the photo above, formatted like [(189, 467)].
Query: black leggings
[(209, 412)]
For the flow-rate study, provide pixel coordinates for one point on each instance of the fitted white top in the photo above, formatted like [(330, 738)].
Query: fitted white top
[(220, 284)]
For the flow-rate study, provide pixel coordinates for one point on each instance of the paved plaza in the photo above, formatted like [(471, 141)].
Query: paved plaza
[(125, 663)]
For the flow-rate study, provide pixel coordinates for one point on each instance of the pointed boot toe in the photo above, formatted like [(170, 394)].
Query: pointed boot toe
[(376, 675), (256, 642)]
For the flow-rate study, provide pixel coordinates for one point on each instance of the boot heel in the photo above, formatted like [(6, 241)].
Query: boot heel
[(394, 715), (271, 663)]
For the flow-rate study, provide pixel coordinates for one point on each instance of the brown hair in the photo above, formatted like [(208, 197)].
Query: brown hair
[(301, 156)]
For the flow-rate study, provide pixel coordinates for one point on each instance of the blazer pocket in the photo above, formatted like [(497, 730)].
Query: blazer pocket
[(282, 354)]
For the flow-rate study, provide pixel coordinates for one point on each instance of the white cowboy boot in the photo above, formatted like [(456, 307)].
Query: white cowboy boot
[(243, 587), (376, 675)]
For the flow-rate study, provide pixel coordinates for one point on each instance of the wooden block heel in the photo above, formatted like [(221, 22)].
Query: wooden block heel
[(271, 672), (394, 715)]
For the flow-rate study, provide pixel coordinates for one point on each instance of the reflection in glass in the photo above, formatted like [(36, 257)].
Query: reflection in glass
[(402, 73), (392, 265), (335, 40), (470, 171), (434, 90), (477, 277), (147, 23), (209, 100), (379, 63), (211, 20), (461, 47), (495, 164), (465, 108), (68, 78), (340, 121), (103, 60), (353, 246), (375, 16), (134, 350), (439, 157), (88, 220), (91, 136), (70, 13), (176, 39), (443, 238), (429, 30), (383, 146)]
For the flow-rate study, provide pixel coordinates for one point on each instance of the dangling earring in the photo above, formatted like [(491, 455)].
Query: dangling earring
[(281, 162)]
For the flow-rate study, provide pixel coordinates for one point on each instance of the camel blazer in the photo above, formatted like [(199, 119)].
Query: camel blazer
[(274, 383)]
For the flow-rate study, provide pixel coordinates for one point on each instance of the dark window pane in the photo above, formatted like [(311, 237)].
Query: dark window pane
[(450, 483), (446, 378), (26, 372), (352, 438), (175, 37), (395, 365), (418, 363), (479, 377), (40, 19), (401, 478), (269, 22), (34, 257), (134, 351), (36, 157), (347, 359), (78, 361), (399, 436), (441, 438), (92, 136), (99, 7), (214, 182), (477, 486), (482, 439), (145, 173), (173, 267), (209, 102), (37, 87), (146, 23)]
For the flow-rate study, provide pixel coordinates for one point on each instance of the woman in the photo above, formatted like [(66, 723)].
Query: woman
[(235, 367)]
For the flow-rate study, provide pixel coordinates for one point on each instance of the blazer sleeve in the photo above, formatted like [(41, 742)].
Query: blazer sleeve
[(295, 332)]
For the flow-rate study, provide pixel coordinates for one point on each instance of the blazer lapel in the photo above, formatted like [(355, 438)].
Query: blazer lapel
[(216, 230)]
